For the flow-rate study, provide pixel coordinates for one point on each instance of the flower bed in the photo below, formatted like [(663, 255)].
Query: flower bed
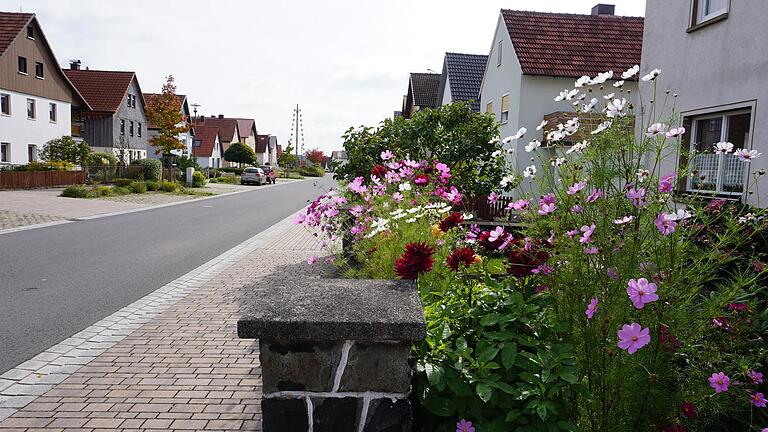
[(617, 306)]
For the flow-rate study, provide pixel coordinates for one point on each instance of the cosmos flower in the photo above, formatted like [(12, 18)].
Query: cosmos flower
[(615, 108), (532, 146), (578, 147), (397, 197), (523, 260), (421, 179), (592, 308), (492, 198), (746, 155), (756, 377), (404, 186), (587, 234), (519, 205), (541, 125), (652, 75), (758, 399), (664, 224), (629, 73), (576, 187), (618, 84), (581, 82), (601, 127), (636, 196), (675, 132), (594, 196), (415, 260), (379, 171), (464, 426), (387, 155), (687, 410), (312, 260), (558, 161), (640, 291), (623, 220), (356, 185), (530, 172), (656, 129), (723, 147), (632, 337), (720, 382)]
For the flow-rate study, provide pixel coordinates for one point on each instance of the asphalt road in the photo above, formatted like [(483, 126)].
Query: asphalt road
[(56, 281)]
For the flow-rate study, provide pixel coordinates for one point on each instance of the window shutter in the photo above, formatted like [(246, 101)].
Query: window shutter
[(505, 103), (489, 107)]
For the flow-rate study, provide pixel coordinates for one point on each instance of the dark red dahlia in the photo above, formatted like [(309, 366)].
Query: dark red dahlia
[(522, 262), (379, 171), (461, 257), (669, 341), (738, 307), (491, 246), (416, 259), (688, 410), (451, 221), (421, 179)]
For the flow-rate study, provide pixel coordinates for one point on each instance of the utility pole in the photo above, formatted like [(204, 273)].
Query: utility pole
[(297, 127)]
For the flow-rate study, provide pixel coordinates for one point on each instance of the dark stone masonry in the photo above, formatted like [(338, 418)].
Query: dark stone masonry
[(334, 354)]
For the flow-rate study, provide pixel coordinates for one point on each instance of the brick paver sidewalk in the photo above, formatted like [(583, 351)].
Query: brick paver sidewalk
[(186, 369)]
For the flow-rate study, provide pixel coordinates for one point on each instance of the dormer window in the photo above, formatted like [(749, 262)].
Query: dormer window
[(30, 32)]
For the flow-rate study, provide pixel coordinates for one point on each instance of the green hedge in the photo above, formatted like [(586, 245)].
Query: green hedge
[(153, 168)]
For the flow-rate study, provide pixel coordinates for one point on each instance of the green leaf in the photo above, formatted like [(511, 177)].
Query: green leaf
[(484, 391), (438, 405), (569, 377), (459, 387), (434, 374), (487, 354), (509, 355), (461, 343), (541, 410), (491, 319), (506, 388)]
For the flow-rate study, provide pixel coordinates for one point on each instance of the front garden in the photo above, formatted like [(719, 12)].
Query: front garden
[(603, 301)]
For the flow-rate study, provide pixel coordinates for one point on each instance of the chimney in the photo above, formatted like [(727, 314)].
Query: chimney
[(603, 9), (221, 116), (74, 64)]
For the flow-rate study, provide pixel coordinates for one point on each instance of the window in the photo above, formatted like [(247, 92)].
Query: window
[(705, 10), (131, 101), (31, 153), (52, 112), (723, 173), (39, 70), (130, 128), (498, 55), (22, 65), (138, 129), (5, 148), (489, 107), (5, 104), (30, 32), (505, 108), (122, 127), (31, 111), (197, 143)]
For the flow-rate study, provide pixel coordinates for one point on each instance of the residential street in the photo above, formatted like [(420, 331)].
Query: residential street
[(58, 280)]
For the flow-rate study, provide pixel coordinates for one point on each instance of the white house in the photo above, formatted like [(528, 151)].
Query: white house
[(36, 98), (206, 147), (712, 55), (185, 138), (534, 56), (262, 149), (273, 150)]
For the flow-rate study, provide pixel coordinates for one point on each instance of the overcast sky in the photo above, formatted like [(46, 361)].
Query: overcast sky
[(345, 62)]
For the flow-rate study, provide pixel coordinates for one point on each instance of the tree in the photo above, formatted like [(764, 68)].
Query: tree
[(65, 149), (316, 156), (288, 160), (240, 153), (165, 114)]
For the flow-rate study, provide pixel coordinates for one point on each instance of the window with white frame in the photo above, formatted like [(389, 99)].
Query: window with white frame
[(31, 109), (5, 149), (52, 114), (5, 104), (31, 153), (722, 174), (498, 55), (505, 108), (705, 10)]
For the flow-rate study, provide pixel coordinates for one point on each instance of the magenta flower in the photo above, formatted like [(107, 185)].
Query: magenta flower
[(312, 260), (688, 410), (587, 236), (492, 198), (592, 250), (636, 196), (393, 165), (594, 196), (464, 426), (666, 183), (738, 307), (547, 204), (387, 155), (453, 195), (721, 323), (572, 233), (577, 209), (664, 224), (632, 337), (357, 186), (756, 377), (392, 177), (518, 205), (576, 187), (641, 291), (496, 234), (720, 382), (592, 308), (759, 400)]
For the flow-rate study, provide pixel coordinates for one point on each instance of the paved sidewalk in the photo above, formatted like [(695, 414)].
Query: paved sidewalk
[(183, 369)]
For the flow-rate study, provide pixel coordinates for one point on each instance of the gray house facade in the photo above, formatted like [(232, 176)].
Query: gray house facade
[(711, 54)]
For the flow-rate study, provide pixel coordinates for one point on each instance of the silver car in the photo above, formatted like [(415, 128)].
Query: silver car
[(253, 175)]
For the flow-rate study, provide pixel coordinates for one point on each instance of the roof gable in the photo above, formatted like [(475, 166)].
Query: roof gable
[(246, 127), (424, 89), (11, 24), (103, 90), (206, 137), (571, 45), (464, 74), (262, 143), (227, 127)]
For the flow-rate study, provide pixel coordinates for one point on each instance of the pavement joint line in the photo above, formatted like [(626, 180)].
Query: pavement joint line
[(32, 378), (35, 226)]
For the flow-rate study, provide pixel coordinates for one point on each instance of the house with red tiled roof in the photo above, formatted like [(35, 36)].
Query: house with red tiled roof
[(535, 55), (184, 137), (206, 147), (117, 121), (37, 101), (263, 153), (229, 132)]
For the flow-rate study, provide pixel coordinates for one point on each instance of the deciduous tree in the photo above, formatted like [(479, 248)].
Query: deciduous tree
[(315, 156), (164, 113), (65, 149), (240, 153)]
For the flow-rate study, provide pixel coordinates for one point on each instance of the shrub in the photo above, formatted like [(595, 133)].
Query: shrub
[(153, 168), (134, 172), (76, 191), (311, 171), (226, 179), (198, 180), (138, 187), (168, 186), (100, 159), (103, 191), (236, 171), (65, 149), (122, 182), (122, 190), (239, 153), (152, 185)]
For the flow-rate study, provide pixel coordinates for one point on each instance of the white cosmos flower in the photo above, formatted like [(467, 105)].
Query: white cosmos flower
[(618, 84), (533, 145), (723, 147), (411, 220), (530, 172), (602, 77), (507, 180), (561, 96), (601, 127), (629, 73), (578, 147), (558, 162), (609, 96), (541, 125), (679, 215), (615, 108), (405, 186), (507, 140), (747, 155), (642, 175), (493, 140), (588, 107), (496, 154), (520, 133), (510, 150), (623, 220), (747, 218), (581, 82), (571, 94), (675, 132), (655, 129), (651, 75)]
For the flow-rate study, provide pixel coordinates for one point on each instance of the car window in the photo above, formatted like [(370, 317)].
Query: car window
[(251, 170)]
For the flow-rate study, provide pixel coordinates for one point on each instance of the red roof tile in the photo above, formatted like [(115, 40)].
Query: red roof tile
[(10, 26), (569, 45), (262, 141), (103, 90), (227, 126), (207, 137)]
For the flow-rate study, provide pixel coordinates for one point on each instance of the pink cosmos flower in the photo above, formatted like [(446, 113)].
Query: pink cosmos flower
[(421, 179), (405, 172), (632, 337), (542, 269), (547, 204), (636, 196), (572, 233), (393, 165), (721, 323), (623, 220), (453, 195), (720, 382), (518, 205), (576, 187), (300, 218), (464, 426), (688, 410), (592, 250), (612, 273), (666, 184), (387, 155), (442, 168), (592, 308), (664, 224), (496, 234), (759, 400), (548, 198), (492, 198), (357, 185), (312, 260), (392, 177), (331, 212), (551, 238), (356, 229), (641, 291), (411, 163), (756, 377), (577, 209), (594, 196), (675, 132), (587, 236)]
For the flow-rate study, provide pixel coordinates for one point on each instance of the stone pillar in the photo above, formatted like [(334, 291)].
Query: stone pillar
[(334, 354)]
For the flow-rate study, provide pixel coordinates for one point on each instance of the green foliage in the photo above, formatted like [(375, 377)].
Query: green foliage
[(240, 153), (44, 166), (454, 134), (122, 190), (65, 149), (103, 191), (311, 171), (198, 180), (122, 182), (138, 187), (287, 159), (236, 171), (168, 186), (184, 162), (152, 185), (226, 179), (152, 168), (101, 159), (76, 191)]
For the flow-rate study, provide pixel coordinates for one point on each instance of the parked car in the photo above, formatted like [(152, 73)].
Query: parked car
[(253, 175), (270, 172)]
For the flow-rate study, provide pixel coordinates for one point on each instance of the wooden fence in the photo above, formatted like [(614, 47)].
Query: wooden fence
[(483, 210), (36, 179)]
